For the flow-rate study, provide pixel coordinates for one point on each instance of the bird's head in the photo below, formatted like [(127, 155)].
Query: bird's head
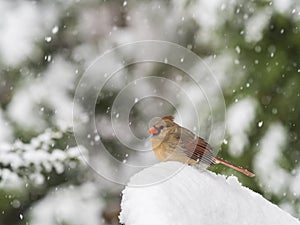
[(161, 128)]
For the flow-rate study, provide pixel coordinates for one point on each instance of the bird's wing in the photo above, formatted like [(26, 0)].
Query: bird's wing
[(194, 147)]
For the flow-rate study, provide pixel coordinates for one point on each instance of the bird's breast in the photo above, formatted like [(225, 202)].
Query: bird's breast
[(161, 149), (166, 151)]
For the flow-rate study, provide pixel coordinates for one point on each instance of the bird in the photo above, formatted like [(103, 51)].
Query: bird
[(171, 142)]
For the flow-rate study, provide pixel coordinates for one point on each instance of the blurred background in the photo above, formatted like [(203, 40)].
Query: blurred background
[(251, 47)]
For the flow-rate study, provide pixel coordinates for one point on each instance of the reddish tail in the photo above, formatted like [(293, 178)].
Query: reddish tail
[(244, 171)]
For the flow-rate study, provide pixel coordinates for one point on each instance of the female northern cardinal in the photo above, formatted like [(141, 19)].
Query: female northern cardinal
[(172, 142)]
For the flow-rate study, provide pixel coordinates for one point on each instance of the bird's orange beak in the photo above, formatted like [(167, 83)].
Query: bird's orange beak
[(153, 130)]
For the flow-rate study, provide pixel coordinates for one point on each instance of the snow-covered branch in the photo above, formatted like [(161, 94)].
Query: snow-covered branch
[(173, 193), (33, 161)]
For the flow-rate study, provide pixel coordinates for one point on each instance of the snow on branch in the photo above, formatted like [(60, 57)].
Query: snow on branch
[(69, 205), (173, 193), (34, 160)]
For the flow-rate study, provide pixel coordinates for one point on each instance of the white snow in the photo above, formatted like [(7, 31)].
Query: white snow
[(240, 116), (295, 183), (10, 180), (22, 111), (282, 6), (51, 90), (37, 155), (256, 24), (274, 178), (21, 25), (6, 132), (69, 205), (173, 193)]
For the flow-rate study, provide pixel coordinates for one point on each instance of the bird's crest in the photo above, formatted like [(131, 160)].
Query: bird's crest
[(168, 118)]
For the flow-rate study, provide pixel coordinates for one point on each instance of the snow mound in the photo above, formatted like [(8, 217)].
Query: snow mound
[(193, 196)]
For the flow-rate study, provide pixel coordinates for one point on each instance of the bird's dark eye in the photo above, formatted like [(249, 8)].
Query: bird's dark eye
[(161, 127)]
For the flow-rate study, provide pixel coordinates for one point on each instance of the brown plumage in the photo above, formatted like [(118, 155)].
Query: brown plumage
[(172, 142)]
